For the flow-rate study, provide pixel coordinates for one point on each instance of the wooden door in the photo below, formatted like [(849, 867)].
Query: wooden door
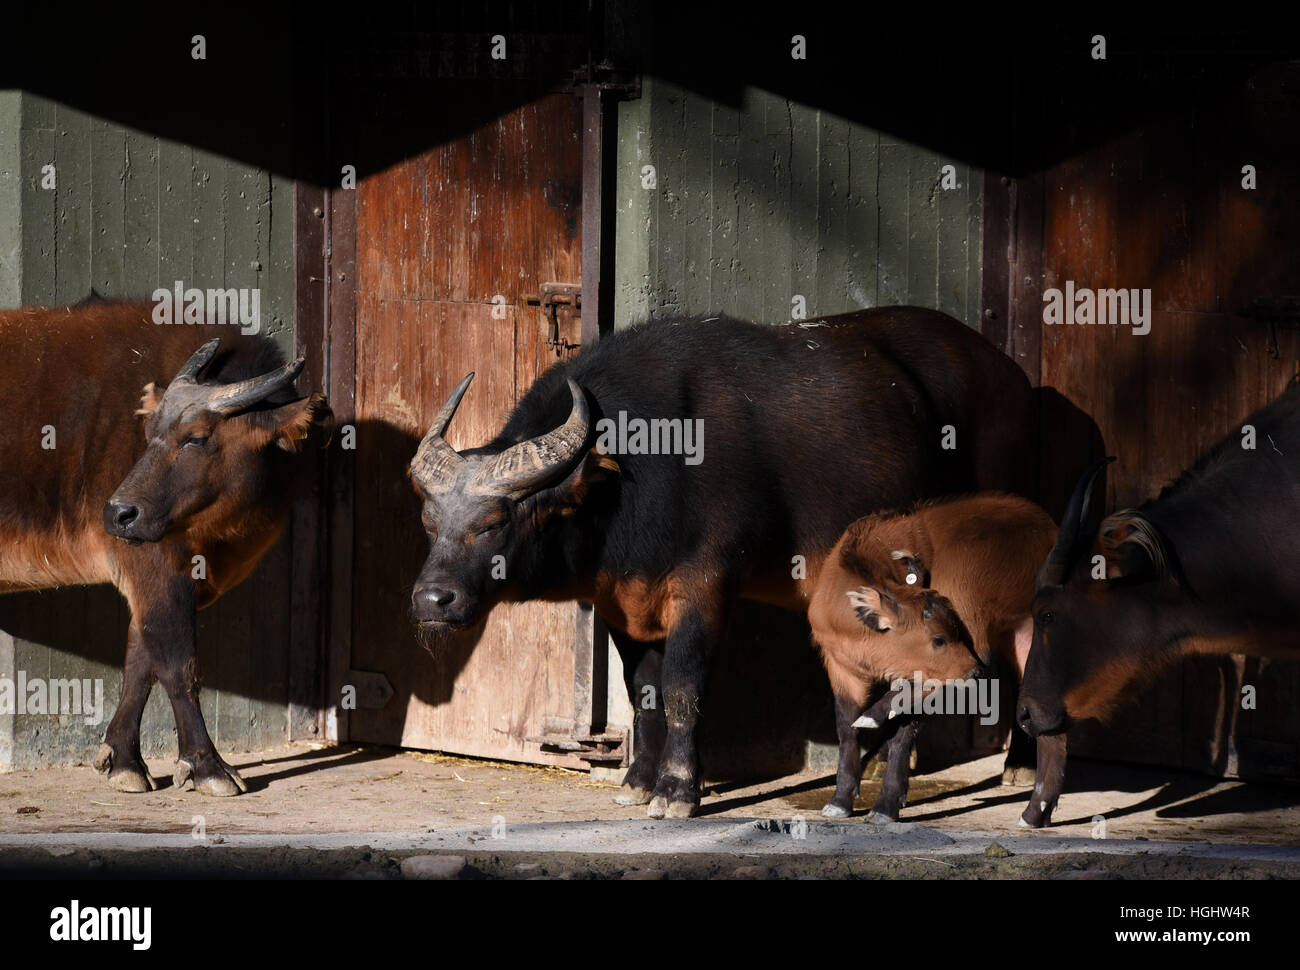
[(1165, 208), (451, 245)]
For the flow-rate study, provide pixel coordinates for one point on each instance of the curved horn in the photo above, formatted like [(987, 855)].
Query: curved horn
[(435, 460), (198, 360), (232, 398), (522, 469), (1077, 512)]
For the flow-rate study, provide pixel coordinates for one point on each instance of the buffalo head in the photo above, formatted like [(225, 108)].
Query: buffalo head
[(209, 446), (917, 628), (484, 511), (1097, 625)]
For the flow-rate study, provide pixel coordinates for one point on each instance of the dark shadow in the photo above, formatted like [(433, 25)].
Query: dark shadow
[(1069, 443), (1004, 94), (389, 548), (745, 801), (320, 761), (767, 697)]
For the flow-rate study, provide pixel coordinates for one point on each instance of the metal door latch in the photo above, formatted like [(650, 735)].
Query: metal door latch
[(556, 299)]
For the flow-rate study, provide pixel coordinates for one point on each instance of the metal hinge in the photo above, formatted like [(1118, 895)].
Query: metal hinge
[(554, 299)]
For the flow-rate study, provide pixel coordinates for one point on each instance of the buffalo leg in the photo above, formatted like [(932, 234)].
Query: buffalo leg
[(642, 667), (1022, 755), (687, 654), (167, 625), (119, 755), (848, 773), (1049, 782), (893, 790)]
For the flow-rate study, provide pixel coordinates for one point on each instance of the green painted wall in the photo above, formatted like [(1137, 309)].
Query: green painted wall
[(759, 203), (131, 212)]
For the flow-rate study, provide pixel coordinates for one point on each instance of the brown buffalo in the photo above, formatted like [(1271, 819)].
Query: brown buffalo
[(174, 517), (943, 591)]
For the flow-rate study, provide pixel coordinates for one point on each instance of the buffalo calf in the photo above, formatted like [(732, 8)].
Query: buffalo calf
[(943, 591)]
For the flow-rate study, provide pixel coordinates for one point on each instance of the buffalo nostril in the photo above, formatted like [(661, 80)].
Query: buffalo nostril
[(120, 516), (434, 598)]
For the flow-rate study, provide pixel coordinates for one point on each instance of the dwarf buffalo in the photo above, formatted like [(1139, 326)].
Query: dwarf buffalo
[(86, 499), (940, 593), (678, 466), (1210, 566)]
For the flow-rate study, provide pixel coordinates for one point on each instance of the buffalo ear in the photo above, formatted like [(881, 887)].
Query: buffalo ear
[(149, 400), (295, 422), (875, 609), (917, 575), (1132, 547), (595, 468)]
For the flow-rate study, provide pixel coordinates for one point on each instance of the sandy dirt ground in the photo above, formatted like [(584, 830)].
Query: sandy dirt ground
[(301, 790)]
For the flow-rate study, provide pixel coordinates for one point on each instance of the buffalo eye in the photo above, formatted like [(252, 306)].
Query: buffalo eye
[(939, 641), (1046, 617), (197, 440)]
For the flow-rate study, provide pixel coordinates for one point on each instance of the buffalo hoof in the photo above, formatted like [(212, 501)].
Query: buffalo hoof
[(1032, 818), (1019, 776), (1036, 815), (214, 778), (880, 818), (123, 775), (831, 810), (630, 795), (661, 807)]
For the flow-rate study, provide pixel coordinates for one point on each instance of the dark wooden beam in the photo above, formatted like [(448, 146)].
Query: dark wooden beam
[(341, 337), (306, 619)]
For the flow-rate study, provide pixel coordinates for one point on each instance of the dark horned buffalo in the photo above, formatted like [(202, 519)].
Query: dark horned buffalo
[(804, 429), (1210, 566), (84, 500)]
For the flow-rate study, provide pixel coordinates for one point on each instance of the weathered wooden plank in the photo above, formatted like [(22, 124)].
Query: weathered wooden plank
[(140, 215), (894, 214), (774, 245), (693, 230), (752, 179), (803, 208), (36, 151), (994, 262), (863, 282), (632, 227), (175, 221), (75, 161), (208, 214), (923, 227), (108, 213), (834, 215), (11, 243), (953, 244), (671, 150)]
